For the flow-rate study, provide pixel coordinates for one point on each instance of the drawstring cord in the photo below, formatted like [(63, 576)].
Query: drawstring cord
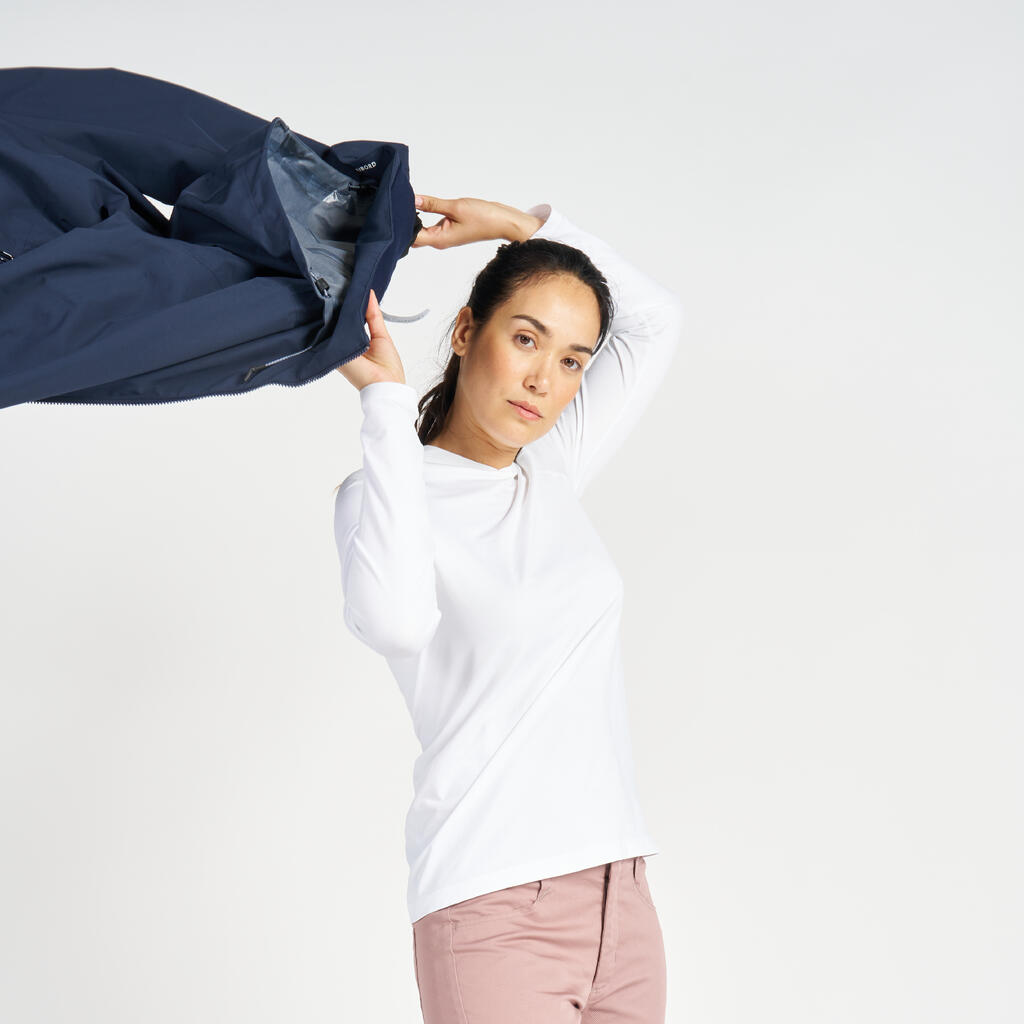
[(419, 316), (404, 319)]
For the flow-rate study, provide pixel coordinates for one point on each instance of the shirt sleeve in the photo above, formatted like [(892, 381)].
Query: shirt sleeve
[(382, 529), (621, 379)]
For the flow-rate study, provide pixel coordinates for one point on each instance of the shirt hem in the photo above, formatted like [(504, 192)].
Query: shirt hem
[(640, 845)]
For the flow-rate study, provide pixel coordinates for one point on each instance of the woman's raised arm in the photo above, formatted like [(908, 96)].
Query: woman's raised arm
[(381, 522), (622, 377), (382, 529)]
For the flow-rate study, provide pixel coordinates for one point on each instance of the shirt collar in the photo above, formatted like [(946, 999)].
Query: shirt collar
[(434, 454)]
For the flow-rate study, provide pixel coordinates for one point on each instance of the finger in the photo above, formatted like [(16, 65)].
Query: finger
[(425, 236), (434, 235), (375, 318), (432, 204)]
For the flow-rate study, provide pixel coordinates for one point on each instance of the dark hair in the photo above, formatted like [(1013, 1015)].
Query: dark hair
[(513, 265)]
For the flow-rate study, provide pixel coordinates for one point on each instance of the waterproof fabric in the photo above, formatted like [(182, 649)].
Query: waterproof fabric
[(261, 274)]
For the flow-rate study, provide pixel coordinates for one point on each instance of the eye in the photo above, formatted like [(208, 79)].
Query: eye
[(578, 364)]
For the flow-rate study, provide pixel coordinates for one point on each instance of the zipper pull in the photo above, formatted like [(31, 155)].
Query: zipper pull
[(5, 256)]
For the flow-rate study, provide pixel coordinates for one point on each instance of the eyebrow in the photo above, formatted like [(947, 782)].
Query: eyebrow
[(543, 330)]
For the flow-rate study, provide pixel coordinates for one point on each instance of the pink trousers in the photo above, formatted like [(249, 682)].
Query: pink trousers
[(582, 948)]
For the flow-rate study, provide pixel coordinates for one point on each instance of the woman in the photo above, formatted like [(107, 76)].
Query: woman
[(468, 561)]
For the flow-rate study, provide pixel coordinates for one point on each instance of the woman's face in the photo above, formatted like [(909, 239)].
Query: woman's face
[(533, 349)]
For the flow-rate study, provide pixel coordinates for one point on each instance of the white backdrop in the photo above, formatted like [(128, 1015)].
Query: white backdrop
[(204, 776)]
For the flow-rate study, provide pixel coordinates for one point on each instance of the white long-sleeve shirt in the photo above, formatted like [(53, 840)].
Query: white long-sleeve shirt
[(498, 610)]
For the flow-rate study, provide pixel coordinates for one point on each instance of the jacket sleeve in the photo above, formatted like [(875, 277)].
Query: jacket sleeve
[(620, 381), (382, 529)]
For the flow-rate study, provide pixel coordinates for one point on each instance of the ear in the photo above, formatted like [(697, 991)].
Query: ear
[(462, 331)]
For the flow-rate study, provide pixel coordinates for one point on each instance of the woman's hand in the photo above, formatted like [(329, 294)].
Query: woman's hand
[(381, 360), (472, 220)]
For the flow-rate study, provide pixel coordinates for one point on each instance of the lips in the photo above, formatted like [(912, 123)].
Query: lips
[(526, 410)]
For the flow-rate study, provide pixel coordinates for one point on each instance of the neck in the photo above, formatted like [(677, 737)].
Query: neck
[(477, 451)]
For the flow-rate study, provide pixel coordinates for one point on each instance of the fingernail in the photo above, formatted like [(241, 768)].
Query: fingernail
[(419, 200)]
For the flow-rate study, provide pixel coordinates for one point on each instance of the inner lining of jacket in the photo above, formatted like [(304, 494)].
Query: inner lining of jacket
[(325, 208)]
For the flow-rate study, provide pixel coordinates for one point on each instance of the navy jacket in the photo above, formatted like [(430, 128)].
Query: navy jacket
[(261, 274)]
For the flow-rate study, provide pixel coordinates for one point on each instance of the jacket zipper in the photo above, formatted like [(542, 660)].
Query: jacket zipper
[(5, 256), (288, 355)]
